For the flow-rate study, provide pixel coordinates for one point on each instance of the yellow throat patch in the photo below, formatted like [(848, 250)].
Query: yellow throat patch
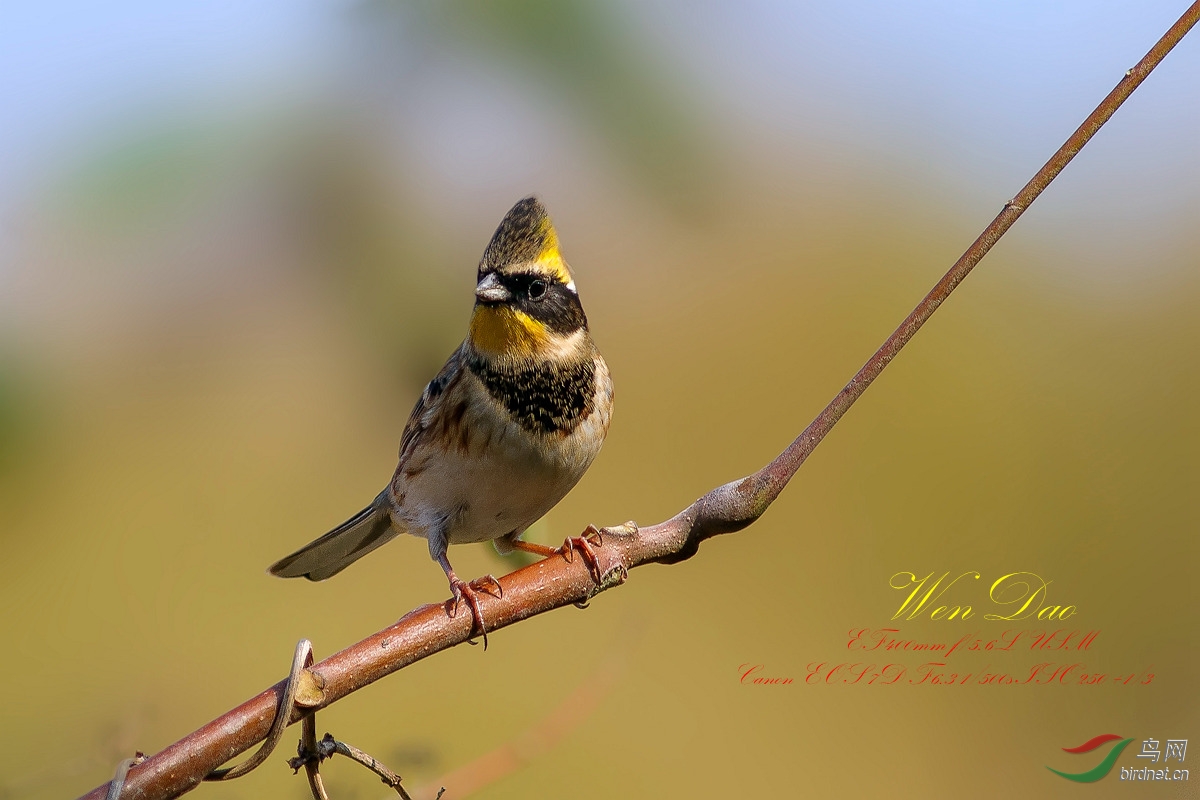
[(501, 330)]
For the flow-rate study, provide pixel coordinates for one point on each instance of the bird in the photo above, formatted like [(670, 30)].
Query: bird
[(502, 433)]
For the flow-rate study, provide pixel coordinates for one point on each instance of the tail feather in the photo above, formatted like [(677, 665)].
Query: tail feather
[(341, 547)]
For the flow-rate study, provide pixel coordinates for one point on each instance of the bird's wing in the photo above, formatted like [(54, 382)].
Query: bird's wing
[(428, 415)]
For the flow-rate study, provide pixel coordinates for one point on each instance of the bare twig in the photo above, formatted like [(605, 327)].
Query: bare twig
[(312, 766), (554, 582), (312, 753)]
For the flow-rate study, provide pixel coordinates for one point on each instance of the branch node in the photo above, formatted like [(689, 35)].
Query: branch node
[(309, 755), (310, 689), (118, 781)]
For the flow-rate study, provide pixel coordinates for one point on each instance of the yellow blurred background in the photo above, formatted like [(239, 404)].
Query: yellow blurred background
[(237, 242)]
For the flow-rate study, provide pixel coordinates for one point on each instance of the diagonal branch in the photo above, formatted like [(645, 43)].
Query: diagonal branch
[(555, 582)]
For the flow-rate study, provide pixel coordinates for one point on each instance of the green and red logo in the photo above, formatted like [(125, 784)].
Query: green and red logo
[(1104, 767)]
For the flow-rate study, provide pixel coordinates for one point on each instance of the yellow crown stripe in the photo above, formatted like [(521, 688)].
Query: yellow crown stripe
[(550, 260), (555, 267)]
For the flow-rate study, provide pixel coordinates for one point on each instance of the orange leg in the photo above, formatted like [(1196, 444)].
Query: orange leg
[(585, 545)]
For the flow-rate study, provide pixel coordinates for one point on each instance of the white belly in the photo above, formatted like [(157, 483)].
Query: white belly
[(505, 481)]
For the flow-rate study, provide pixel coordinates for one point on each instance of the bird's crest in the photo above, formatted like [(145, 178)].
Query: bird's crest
[(525, 238)]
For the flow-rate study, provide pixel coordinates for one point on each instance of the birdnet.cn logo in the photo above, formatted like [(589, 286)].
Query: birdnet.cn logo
[(1163, 760)]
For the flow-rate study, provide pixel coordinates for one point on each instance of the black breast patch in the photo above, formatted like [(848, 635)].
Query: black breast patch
[(543, 399)]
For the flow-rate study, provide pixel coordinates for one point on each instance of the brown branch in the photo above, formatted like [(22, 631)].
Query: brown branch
[(554, 583)]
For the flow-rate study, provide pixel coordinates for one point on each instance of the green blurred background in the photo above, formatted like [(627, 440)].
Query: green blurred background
[(238, 238)]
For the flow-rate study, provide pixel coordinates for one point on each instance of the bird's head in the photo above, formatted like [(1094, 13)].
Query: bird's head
[(526, 306)]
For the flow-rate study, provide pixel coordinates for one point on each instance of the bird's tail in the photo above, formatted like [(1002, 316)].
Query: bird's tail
[(342, 546)]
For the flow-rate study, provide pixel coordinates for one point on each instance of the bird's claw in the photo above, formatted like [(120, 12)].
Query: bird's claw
[(462, 591), (585, 545), (489, 584), (591, 538)]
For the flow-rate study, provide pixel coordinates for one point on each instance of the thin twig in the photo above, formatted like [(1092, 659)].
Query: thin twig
[(386, 775), (312, 766), (554, 582), (312, 753)]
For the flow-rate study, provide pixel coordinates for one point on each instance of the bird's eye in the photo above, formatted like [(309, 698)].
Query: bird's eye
[(537, 290)]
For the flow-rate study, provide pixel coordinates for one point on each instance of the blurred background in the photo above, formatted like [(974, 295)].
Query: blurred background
[(236, 239)]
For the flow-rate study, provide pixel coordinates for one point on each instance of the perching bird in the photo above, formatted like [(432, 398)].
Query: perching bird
[(505, 430)]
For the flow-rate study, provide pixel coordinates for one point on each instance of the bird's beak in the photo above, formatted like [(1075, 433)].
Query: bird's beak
[(491, 290)]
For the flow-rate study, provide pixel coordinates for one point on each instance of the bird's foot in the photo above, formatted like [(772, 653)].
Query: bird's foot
[(592, 538), (585, 545), (464, 592)]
